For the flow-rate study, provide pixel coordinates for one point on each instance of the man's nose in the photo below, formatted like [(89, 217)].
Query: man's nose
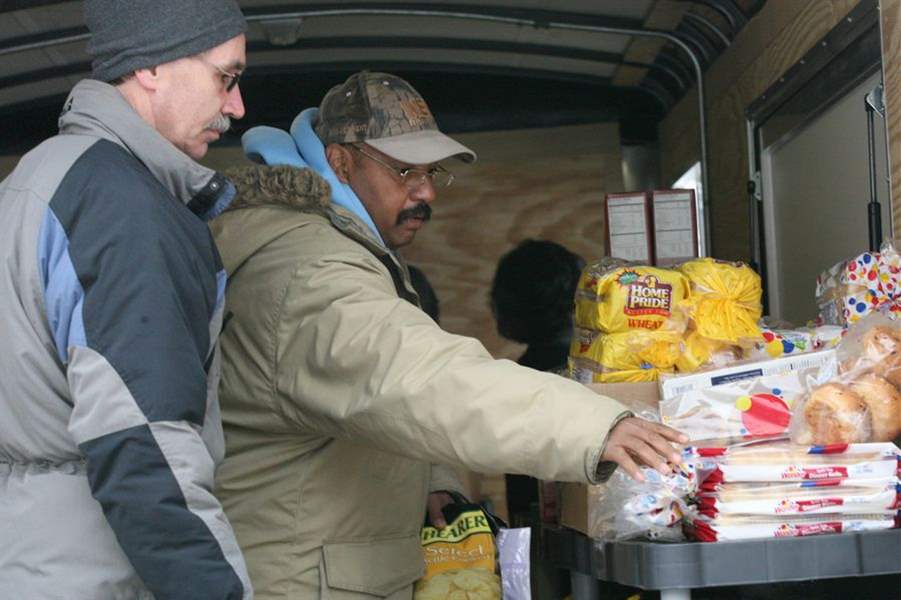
[(425, 191), (234, 104)]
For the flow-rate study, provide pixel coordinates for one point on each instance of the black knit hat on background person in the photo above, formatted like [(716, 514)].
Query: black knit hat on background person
[(127, 35)]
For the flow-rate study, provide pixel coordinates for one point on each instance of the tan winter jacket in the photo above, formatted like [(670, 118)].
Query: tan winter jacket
[(337, 395)]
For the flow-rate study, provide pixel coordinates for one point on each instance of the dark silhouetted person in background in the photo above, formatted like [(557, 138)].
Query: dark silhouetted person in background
[(532, 300)]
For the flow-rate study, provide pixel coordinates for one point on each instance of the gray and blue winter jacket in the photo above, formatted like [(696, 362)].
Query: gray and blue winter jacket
[(111, 300)]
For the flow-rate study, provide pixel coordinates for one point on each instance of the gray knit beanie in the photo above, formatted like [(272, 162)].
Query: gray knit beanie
[(127, 35)]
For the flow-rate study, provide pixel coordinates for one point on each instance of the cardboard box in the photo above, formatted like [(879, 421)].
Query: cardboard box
[(676, 385), (641, 398)]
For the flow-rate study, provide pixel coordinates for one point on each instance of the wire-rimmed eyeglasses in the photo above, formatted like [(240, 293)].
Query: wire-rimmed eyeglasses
[(229, 80), (413, 177)]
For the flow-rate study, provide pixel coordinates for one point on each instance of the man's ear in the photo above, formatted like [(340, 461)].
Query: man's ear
[(149, 78), (340, 160)]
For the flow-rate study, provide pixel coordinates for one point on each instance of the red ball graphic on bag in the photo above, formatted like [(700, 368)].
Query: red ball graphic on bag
[(764, 414)]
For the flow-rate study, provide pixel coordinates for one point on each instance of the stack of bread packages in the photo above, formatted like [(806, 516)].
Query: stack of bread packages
[(779, 489), (838, 472), (635, 322), (629, 320)]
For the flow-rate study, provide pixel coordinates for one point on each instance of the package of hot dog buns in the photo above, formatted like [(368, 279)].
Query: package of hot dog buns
[(704, 529), (782, 462)]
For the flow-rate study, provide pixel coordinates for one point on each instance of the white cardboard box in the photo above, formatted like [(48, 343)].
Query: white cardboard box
[(675, 385)]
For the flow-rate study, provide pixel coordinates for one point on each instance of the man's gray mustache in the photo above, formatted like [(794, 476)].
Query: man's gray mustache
[(220, 124)]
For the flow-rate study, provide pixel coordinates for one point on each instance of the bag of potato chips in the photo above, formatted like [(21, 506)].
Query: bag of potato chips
[(461, 559), (616, 298)]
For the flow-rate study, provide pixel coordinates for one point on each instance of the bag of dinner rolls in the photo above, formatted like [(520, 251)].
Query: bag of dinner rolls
[(862, 403)]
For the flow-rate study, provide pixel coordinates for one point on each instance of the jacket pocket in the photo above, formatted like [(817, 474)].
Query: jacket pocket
[(378, 567)]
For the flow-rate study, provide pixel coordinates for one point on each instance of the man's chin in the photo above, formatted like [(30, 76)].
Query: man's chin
[(197, 151), (198, 148), (400, 238)]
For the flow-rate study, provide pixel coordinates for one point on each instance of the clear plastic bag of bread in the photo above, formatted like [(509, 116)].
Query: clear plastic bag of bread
[(861, 402), (623, 508)]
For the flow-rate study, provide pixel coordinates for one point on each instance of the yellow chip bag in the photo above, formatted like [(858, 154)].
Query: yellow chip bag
[(630, 298), (725, 299), (461, 559), (621, 357)]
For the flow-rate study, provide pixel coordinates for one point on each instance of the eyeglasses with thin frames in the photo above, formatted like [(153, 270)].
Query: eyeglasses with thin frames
[(229, 80), (413, 177)]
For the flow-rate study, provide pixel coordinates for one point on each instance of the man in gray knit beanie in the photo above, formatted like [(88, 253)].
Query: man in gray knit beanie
[(113, 294), (177, 62), (127, 35)]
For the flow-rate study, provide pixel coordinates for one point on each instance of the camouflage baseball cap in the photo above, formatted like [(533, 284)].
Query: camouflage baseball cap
[(388, 114)]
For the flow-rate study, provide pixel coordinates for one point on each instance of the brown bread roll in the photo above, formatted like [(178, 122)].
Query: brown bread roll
[(889, 368), (881, 356), (835, 414), (884, 403), (879, 342)]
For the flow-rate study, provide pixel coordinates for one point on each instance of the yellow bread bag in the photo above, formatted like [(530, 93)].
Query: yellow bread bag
[(618, 299), (697, 352), (725, 299), (622, 357)]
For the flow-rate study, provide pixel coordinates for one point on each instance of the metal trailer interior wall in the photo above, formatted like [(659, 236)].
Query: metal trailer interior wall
[(762, 52), (817, 174)]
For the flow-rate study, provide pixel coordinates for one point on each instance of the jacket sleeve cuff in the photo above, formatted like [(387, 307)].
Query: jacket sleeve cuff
[(597, 470), (444, 479)]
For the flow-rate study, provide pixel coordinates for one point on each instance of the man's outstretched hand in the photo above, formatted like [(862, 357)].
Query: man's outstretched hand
[(636, 442)]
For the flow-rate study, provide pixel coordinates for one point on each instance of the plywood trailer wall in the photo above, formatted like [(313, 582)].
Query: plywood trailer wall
[(537, 183), (773, 40)]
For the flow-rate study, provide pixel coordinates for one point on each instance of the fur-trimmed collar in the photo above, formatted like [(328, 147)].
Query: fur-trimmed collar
[(239, 236), (281, 185)]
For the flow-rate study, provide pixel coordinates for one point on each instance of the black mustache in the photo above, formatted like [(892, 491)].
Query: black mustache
[(420, 211)]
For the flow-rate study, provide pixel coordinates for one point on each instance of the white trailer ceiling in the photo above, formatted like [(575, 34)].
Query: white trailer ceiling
[(37, 65)]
